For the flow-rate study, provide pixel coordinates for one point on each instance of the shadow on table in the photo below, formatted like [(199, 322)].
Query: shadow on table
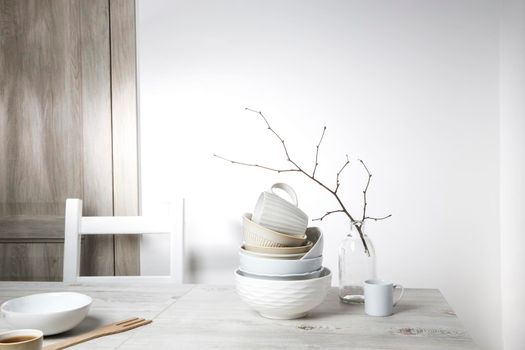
[(332, 306), (405, 307), (90, 323)]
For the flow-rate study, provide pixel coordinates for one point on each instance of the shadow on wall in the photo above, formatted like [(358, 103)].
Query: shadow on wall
[(223, 262)]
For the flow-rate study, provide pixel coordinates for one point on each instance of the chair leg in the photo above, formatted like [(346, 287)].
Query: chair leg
[(72, 240)]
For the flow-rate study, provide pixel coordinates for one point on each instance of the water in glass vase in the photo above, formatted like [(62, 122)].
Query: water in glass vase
[(355, 265)]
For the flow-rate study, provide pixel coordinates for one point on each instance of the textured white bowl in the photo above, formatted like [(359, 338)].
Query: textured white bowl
[(314, 235), (52, 313), (283, 300), (266, 266), (256, 234)]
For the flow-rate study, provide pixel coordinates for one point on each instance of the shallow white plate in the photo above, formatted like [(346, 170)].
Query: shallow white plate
[(52, 313)]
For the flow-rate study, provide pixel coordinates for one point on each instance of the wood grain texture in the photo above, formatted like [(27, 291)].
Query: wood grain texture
[(125, 139), (213, 317), (56, 126), (97, 256), (31, 228), (39, 104), (14, 259), (40, 128)]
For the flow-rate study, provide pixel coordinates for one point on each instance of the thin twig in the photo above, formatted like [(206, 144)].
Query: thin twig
[(377, 219), (317, 152), (255, 165), (328, 213), (337, 183), (273, 131), (366, 189)]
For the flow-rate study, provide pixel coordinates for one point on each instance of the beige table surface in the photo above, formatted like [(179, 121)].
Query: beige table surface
[(213, 317)]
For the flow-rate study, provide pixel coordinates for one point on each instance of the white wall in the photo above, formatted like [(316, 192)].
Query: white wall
[(512, 115), (409, 86)]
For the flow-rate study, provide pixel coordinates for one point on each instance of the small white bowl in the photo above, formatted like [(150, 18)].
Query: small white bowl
[(283, 300), (256, 234), (290, 277), (52, 313), (314, 235), (266, 266), (286, 256)]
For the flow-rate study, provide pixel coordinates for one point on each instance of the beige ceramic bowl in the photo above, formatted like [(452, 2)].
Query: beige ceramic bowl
[(257, 235), (279, 250)]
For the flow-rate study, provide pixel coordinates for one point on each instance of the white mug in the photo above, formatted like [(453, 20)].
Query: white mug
[(279, 214), (379, 297)]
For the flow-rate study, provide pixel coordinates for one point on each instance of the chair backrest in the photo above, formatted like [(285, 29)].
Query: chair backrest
[(77, 225)]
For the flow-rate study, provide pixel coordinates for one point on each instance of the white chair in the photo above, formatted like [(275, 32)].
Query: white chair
[(77, 225)]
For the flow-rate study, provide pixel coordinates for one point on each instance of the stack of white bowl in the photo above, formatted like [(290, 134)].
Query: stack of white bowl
[(280, 272)]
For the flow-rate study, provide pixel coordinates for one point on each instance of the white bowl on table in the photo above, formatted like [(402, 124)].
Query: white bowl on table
[(283, 300), (52, 313), (270, 266)]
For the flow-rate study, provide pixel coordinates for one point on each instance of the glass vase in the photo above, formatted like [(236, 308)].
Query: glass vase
[(355, 265)]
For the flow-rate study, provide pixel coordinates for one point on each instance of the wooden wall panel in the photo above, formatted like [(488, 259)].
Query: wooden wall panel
[(98, 252), (125, 137), (40, 105), (14, 258), (58, 126)]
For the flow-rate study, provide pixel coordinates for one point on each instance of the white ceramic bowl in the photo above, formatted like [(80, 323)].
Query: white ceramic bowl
[(278, 214), (265, 266), (256, 234), (272, 256), (314, 235), (290, 277), (283, 299), (52, 313)]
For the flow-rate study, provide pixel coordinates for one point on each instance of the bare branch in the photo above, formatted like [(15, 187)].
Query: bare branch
[(255, 165), (328, 213), (377, 219), (337, 183), (365, 203), (312, 177), (317, 152), (273, 131)]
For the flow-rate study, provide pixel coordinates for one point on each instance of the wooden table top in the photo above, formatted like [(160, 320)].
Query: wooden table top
[(207, 316)]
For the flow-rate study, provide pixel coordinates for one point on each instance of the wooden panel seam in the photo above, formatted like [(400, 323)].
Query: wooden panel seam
[(124, 129)]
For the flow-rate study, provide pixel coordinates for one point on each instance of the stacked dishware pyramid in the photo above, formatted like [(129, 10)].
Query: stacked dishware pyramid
[(280, 271)]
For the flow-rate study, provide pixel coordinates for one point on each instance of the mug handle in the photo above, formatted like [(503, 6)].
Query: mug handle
[(286, 188), (400, 295)]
